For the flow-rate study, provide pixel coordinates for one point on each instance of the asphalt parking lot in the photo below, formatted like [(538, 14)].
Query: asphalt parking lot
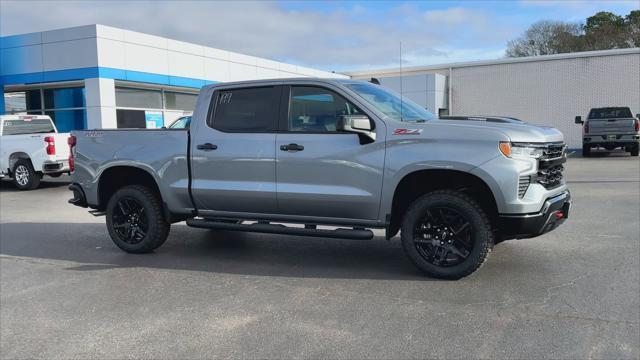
[(68, 292)]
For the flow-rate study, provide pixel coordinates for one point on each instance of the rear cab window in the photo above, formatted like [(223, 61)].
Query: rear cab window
[(27, 126), (252, 110), (610, 113)]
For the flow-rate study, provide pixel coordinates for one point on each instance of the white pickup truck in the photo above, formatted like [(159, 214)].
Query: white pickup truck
[(30, 147)]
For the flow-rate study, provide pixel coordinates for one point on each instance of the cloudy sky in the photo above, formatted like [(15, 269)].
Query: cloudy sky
[(329, 35)]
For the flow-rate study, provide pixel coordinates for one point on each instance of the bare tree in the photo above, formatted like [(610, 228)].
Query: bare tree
[(545, 38)]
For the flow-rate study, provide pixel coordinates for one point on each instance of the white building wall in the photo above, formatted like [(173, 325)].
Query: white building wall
[(100, 97), (550, 92)]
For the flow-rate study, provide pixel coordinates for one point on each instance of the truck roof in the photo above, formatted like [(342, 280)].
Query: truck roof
[(286, 80)]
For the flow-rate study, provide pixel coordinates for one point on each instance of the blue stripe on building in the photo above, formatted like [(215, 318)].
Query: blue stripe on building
[(103, 72)]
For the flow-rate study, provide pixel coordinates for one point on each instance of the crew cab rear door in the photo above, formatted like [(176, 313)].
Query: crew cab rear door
[(233, 151), (323, 172)]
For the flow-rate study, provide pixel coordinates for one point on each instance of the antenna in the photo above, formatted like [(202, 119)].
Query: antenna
[(401, 100)]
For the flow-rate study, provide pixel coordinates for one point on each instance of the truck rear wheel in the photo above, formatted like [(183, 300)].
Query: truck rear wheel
[(446, 234), (135, 220), (586, 150), (24, 175), (635, 150)]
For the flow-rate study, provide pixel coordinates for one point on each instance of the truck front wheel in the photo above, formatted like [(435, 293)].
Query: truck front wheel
[(446, 234), (135, 220)]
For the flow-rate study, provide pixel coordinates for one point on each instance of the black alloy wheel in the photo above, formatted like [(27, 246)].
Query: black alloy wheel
[(444, 237), (135, 219), (130, 222), (447, 234)]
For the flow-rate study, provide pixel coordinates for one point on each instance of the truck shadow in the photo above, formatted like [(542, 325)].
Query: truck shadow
[(88, 248), (7, 185)]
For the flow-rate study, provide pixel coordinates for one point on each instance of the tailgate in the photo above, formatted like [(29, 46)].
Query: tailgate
[(62, 147), (611, 126)]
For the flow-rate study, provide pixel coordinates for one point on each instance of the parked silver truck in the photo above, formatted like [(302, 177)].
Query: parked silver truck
[(332, 153), (610, 128)]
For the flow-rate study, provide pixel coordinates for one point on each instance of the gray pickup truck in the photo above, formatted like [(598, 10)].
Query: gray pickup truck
[(332, 159), (610, 128)]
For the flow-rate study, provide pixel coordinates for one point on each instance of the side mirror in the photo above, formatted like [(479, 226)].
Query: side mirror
[(358, 124), (579, 120), (638, 116)]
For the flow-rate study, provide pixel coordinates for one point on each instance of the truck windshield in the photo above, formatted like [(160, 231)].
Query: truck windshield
[(610, 113), (390, 103), (32, 126)]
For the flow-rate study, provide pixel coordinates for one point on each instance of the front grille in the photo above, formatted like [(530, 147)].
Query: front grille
[(523, 185), (550, 166)]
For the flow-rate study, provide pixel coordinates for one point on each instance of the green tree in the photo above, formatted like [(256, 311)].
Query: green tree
[(605, 30), (633, 28)]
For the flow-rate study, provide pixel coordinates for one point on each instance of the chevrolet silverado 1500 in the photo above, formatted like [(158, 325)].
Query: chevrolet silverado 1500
[(31, 147), (610, 128), (340, 153)]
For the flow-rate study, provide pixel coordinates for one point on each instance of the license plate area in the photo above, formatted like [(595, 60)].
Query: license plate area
[(611, 137)]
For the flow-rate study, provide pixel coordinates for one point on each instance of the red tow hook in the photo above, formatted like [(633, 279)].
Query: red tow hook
[(559, 214)]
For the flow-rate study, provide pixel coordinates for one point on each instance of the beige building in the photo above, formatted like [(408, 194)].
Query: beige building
[(547, 90)]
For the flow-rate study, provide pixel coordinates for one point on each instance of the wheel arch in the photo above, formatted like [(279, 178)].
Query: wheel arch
[(117, 176), (419, 182), (16, 156)]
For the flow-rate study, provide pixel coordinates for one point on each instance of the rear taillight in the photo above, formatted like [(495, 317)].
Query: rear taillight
[(585, 128), (636, 125), (51, 145), (72, 144)]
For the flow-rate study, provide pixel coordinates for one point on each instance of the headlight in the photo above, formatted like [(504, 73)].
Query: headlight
[(518, 151)]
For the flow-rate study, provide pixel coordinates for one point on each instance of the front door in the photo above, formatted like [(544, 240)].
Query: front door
[(323, 172), (233, 154)]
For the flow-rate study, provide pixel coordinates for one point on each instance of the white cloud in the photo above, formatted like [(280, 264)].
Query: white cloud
[(347, 39)]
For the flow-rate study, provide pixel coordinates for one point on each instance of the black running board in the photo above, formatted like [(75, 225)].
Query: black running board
[(352, 234)]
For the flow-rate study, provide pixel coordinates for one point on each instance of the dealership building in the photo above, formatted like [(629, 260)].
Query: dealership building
[(102, 77)]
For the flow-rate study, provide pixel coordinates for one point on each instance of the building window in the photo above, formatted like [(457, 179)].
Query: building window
[(65, 106), (179, 101), (67, 120), (151, 108), (64, 98), (138, 98)]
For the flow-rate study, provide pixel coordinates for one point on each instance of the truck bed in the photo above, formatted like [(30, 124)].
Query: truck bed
[(163, 153)]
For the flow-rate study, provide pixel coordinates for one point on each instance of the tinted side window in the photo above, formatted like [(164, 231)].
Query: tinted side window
[(247, 110), (315, 109)]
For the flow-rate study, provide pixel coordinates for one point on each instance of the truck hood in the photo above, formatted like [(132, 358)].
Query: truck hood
[(515, 131)]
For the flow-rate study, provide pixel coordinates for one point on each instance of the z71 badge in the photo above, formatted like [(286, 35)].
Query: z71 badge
[(407, 131)]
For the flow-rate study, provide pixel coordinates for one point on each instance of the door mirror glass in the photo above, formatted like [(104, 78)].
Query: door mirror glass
[(358, 124), (579, 120)]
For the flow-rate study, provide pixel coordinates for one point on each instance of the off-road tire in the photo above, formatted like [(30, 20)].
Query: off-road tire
[(158, 229), (33, 177), (482, 237), (586, 150)]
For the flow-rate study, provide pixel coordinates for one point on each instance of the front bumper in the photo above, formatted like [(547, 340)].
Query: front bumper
[(554, 212)]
